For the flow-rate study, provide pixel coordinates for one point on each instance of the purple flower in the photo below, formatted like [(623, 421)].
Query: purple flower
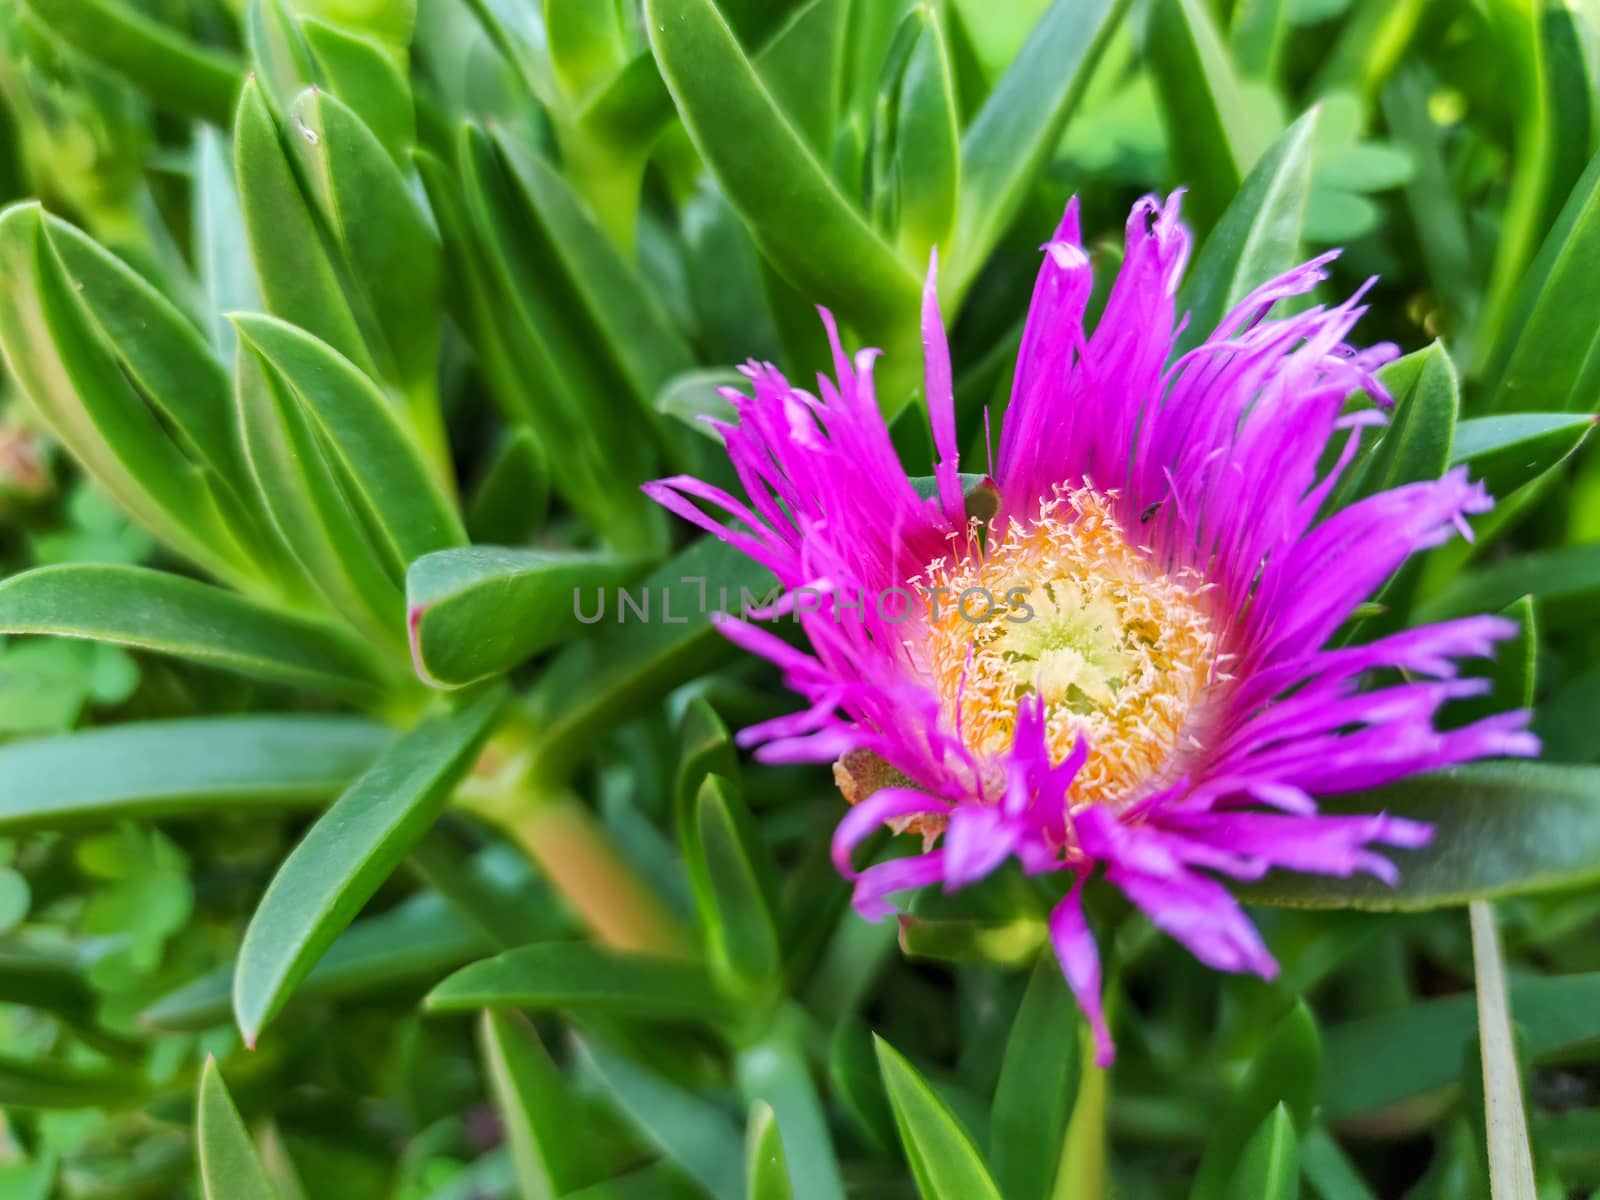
[(1128, 664)]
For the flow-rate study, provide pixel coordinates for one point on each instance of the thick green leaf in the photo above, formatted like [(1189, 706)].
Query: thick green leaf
[(766, 1168), (1038, 1084), (1258, 236), (70, 371), (585, 42), (1012, 942), (1019, 126), (512, 496), (944, 1161), (1269, 1165), (549, 1149), (688, 1130), (735, 890), (814, 235), (221, 250), (774, 1072), (581, 977), (641, 660), (1563, 583), (348, 853), (308, 496), (1256, 36), (377, 458), (411, 944), (481, 610), (1215, 128), (230, 1165), (1329, 1170), (1550, 356), (57, 982), (1415, 445), (1500, 829), (856, 1083), (181, 76), (1506, 452), (169, 768), (803, 66), (168, 614), (390, 252), (927, 160), (296, 276), (1363, 1074), (368, 80), (1282, 1076), (628, 321)]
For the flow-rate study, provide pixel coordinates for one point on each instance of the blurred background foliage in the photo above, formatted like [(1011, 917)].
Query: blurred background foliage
[(340, 859)]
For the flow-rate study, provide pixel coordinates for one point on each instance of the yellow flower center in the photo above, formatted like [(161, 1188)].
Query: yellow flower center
[(1066, 608)]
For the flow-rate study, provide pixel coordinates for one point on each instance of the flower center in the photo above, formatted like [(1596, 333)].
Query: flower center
[(1065, 608)]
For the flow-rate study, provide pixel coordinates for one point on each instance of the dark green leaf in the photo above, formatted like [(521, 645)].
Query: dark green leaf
[(740, 928), (1216, 131), (348, 853), (51, 1083), (944, 1161), (1269, 1165), (366, 79), (1038, 1084), (927, 159), (549, 1149), (1563, 583), (1363, 1074), (689, 1131), (1258, 237), (512, 497), (230, 1165), (168, 614), (1506, 452), (584, 977), (1017, 129), (802, 65), (168, 768), (1415, 445), (1500, 829), (1550, 354), (1282, 1076), (774, 1072), (481, 610), (812, 233)]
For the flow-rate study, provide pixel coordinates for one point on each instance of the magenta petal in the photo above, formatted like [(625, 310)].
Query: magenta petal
[(1080, 963), (864, 818), (976, 841), (941, 398)]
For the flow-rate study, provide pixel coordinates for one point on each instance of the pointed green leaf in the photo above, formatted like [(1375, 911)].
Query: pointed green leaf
[(399, 950), (221, 250), (743, 937), (774, 1071), (308, 495), (688, 1130), (83, 391), (230, 1165), (1258, 237), (481, 610), (512, 496), (586, 43), (944, 1162), (814, 235), (1256, 36), (1500, 829), (803, 63), (296, 277), (1269, 1165), (1328, 1169), (390, 253), (1550, 353), (1282, 1076), (1019, 126), (927, 143), (581, 976), (348, 853), (1215, 129), (1038, 1084), (379, 460), (366, 79), (1415, 444), (52, 1083), (548, 1149), (1508, 451), (1563, 583), (153, 769), (766, 1169), (1510, 1159), (168, 614)]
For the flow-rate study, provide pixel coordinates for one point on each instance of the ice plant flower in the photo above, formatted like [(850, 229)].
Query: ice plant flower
[(1128, 665)]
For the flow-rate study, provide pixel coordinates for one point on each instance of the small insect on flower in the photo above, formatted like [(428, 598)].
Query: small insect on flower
[(1127, 664)]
